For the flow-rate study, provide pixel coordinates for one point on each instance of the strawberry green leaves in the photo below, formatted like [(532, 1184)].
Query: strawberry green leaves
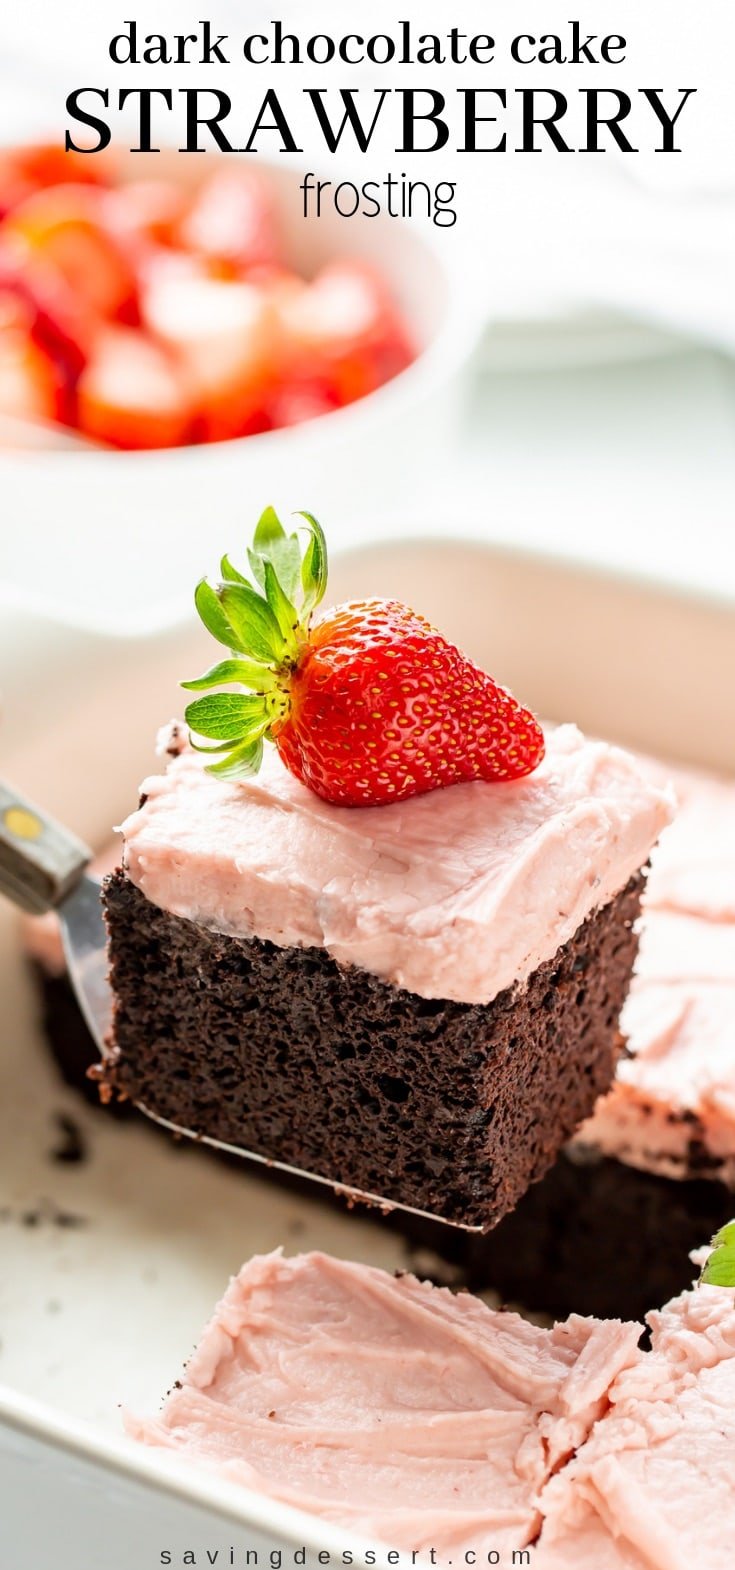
[(719, 1269), (283, 551), (314, 565), (265, 626), (227, 716), (211, 613), (243, 761), (247, 672), (254, 626)]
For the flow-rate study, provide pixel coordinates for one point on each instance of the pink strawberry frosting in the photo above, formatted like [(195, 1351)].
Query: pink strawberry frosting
[(388, 1405), (653, 1487), (678, 1083), (425, 1420), (456, 894)]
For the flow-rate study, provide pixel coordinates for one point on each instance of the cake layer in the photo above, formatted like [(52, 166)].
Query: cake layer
[(448, 1107), (457, 894), (406, 1413)]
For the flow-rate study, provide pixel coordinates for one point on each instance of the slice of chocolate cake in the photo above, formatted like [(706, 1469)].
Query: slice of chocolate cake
[(553, 1252), (418, 1001)]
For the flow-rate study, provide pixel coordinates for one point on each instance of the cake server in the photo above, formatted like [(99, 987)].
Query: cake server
[(43, 867)]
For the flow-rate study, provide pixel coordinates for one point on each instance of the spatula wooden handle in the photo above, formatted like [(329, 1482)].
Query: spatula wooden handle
[(40, 862)]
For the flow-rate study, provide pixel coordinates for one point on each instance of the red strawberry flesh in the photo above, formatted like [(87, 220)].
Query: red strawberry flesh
[(383, 708)]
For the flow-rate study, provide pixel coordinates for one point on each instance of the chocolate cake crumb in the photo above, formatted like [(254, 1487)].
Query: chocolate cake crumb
[(72, 1146), (286, 1053), (47, 1213)]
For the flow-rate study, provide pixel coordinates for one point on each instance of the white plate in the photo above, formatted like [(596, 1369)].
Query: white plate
[(104, 1313)]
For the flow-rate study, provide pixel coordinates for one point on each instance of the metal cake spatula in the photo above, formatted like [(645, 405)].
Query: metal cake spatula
[(43, 867)]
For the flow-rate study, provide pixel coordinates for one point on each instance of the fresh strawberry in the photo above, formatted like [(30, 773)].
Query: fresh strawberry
[(47, 163), (224, 336), (231, 225), (295, 402), (150, 210), (71, 229), (367, 705), (27, 169), (30, 384), (344, 329), (58, 324), (131, 395)]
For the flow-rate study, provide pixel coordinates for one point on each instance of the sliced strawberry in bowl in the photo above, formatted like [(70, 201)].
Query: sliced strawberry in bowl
[(344, 328), (31, 385), (300, 400), (53, 318), (367, 705), (149, 210), (231, 224), (24, 170), (71, 229), (132, 395), (225, 335), (48, 163)]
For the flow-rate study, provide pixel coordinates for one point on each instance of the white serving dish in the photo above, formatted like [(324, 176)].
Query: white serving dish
[(105, 1313), (126, 498)]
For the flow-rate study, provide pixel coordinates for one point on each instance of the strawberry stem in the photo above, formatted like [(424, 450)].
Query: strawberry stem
[(265, 626)]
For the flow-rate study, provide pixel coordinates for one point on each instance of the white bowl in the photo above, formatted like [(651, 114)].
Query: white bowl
[(79, 523)]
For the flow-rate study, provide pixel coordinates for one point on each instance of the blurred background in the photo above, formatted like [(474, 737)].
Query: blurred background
[(178, 346)]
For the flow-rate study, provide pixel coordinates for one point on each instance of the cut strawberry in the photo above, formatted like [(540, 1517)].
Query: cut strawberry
[(30, 384), (151, 210), (47, 163), (225, 335), (257, 345), (39, 300), (344, 329), (16, 310), (369, 705), (24, 170), (298, 401), (231, 225), (70, 228), (131, 395), (60, 325)]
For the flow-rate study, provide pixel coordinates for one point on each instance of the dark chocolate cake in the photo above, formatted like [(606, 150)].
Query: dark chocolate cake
[(331, 1069), (419, 1002)]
